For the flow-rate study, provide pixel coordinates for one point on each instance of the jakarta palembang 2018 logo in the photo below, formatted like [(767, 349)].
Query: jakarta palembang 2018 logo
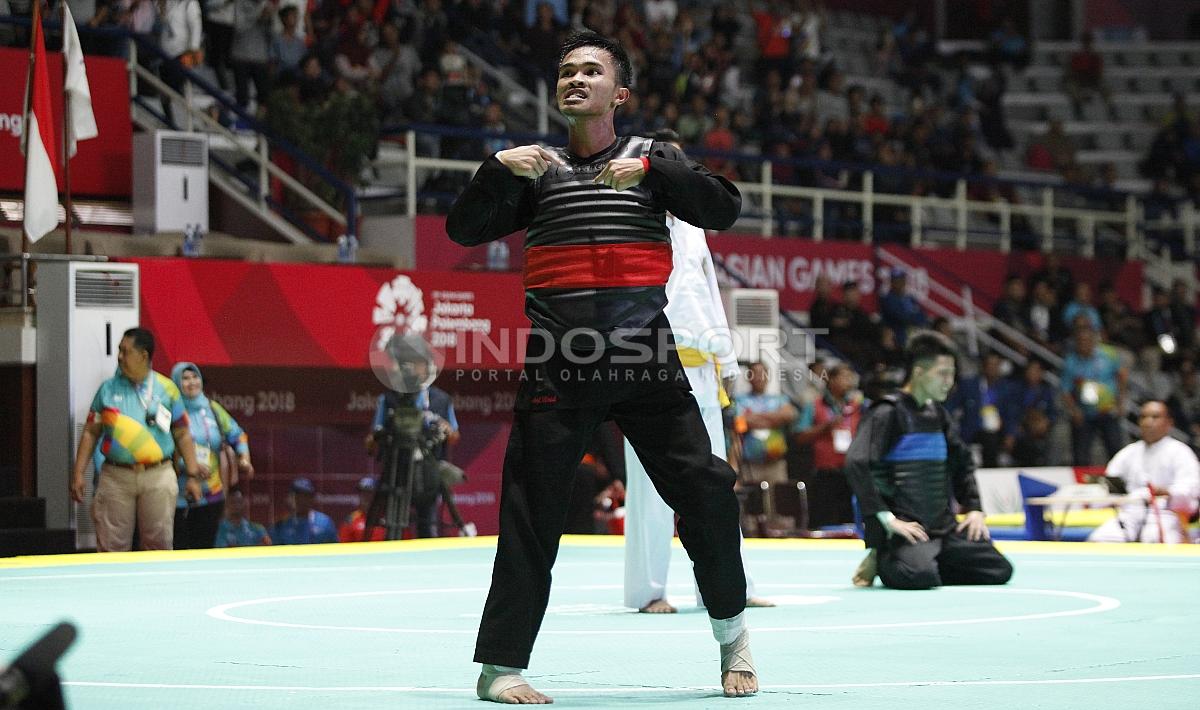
[(400, 355), (399, 308)]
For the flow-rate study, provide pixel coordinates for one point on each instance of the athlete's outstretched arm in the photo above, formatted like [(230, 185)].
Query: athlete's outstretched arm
[(496, 203), (689, 191)]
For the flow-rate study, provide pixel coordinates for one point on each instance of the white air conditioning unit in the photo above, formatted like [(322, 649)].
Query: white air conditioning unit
[(753, 315), (83, 309), (170, 181)]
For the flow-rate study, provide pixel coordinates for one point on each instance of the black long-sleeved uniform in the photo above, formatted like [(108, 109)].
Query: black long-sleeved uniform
[(565, 207), (597, 259)]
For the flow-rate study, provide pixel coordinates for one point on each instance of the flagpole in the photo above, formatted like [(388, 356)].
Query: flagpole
[(66, 131), (37, 20)]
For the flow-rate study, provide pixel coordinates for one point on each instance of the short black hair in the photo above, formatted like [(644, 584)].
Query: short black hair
[(924, 346), (619, 56), (142, 340)]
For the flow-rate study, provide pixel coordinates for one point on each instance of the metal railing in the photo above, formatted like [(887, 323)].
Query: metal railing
[(539, 98), (1052, 225), (980, 326)]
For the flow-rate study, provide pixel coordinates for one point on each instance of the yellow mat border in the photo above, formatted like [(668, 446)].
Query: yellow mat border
[(488, 542)]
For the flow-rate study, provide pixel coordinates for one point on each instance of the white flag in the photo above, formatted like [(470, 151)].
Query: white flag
[(81, 123), (41, 148)]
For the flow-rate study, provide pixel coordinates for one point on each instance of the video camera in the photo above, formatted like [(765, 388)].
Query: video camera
[(411, 438)]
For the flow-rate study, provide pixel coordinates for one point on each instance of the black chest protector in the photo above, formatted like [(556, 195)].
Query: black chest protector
[(572, 210)]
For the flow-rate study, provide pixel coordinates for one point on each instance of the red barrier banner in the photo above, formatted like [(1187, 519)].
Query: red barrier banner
[(238, 313), (285, 348), (313, 422), (985, 272), (103, 166), (789, 265), (792, 266)]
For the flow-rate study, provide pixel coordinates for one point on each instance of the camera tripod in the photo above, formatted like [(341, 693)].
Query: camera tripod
[(408, 443)]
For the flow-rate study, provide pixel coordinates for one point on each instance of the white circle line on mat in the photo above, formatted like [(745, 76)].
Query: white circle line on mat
[(636, 689), (1099, 604)]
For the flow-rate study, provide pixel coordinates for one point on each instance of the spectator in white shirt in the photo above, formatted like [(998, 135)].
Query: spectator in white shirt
[(1164, 473), (181, 38)]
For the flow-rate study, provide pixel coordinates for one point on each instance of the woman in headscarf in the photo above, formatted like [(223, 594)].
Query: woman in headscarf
[(211, 425)]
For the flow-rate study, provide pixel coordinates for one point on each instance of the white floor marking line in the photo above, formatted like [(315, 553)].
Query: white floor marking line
[(1099, 604), (548, 686)]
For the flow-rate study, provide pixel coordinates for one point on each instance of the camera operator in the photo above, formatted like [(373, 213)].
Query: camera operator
[(439, 432)]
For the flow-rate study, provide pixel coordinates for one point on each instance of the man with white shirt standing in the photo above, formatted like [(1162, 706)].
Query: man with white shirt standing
[(1164, 472), (698, 323), (181, 37)]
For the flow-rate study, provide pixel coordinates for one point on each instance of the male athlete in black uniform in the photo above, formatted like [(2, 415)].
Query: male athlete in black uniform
[(597, 257), (905, 463)]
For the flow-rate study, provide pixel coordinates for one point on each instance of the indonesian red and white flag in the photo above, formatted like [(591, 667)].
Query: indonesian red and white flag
[(41, 147), (81, 121)]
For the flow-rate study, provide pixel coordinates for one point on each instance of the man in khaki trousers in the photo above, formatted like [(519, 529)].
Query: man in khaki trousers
[(139, 418)]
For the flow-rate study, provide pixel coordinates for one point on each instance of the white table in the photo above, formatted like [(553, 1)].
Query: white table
[(1069, 499)]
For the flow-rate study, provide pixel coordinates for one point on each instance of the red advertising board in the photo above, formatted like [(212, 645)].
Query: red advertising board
[(792, 266), (246, 314), (285, 348), (985, 271), (102, 167)]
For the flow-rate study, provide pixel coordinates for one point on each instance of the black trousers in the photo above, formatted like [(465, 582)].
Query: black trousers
[(947, 559), (544, 450), (196, 528)]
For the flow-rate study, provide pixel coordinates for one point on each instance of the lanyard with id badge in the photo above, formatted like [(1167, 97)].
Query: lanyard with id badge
[(841, 440), (841, 433), (156, 414)]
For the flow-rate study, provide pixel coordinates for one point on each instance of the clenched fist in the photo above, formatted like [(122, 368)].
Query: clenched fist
[(528, 161), (622, 173)]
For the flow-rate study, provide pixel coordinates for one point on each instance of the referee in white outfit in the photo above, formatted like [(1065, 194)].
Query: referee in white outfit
[(696, 314), (1162, 471)]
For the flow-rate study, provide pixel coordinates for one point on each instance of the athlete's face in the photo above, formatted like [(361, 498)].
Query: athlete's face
[(934, 379), (588, 84)]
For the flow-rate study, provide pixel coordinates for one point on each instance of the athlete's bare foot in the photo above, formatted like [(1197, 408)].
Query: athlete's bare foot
[(738, 684), (864, 576), (759, 602), (738, 678), (658, 606), (511, 689), (524, 695)]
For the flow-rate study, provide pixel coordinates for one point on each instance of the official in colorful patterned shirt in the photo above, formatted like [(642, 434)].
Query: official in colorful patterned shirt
[(139, 417), (211, 425)]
